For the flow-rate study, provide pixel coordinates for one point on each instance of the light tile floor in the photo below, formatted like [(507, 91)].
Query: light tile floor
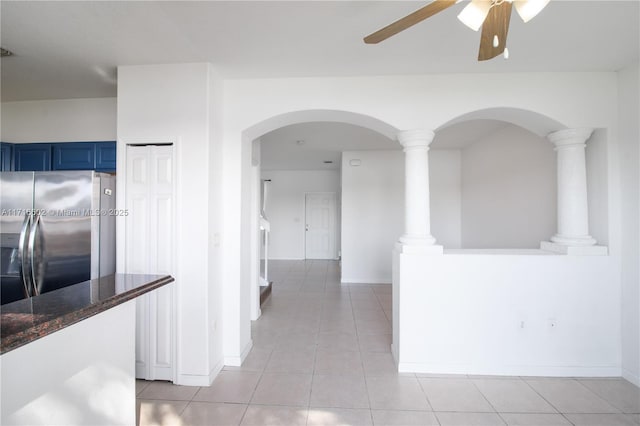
[(321, 357)]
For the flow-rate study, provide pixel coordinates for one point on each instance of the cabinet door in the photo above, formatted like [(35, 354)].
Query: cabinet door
[(5, 156), (106, 156), (74, 156), (149, 244), (32, 157)]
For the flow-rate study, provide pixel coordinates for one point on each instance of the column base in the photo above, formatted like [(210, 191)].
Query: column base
[(417, 241), (428, 249), (574, 250), (586, 240)]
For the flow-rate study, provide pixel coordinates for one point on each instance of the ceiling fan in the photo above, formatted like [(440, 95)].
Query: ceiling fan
[(492, 15)]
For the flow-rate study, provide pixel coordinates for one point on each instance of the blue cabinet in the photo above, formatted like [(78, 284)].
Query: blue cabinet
[(32, 157), (6, 155), (105, 156), (98, 156), (74, 156)]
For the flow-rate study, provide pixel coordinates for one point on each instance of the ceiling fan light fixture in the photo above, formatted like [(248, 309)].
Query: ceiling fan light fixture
[(528, 9), (474, 14)]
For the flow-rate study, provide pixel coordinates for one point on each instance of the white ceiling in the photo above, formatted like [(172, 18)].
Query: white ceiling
[(321, 142), (280, 149), (71, 49)]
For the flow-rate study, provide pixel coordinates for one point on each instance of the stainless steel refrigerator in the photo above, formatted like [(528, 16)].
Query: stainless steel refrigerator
[(56, 229)]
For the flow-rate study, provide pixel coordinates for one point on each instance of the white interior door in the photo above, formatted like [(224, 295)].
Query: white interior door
[(149, 243), (320, 225)]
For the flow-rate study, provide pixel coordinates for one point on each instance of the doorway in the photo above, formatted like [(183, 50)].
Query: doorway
[(320, 225)]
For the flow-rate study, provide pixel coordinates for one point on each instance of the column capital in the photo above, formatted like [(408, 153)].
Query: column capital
[(417, 138), (569, 137)]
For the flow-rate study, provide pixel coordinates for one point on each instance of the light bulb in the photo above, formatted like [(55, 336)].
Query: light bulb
[(496, 41), (505, 54), (474, 14), (528, 9)]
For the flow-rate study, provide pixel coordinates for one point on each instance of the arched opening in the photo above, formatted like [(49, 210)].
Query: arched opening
[(494, 186), (294, 148), (494, 180)]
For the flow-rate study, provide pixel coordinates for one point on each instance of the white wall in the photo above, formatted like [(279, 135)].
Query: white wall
[(285, 208), (373, 209), (598, 182), (629, 136), (493, 313), (508, 190), (215, 261), (445, 188), (254, 107), (372, 214), (64, 120), (173, 103)]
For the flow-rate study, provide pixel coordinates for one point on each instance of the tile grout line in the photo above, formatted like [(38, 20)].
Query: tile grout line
[(547, 401), (487, 399), (598, 396), (428, 400), (364, 373)]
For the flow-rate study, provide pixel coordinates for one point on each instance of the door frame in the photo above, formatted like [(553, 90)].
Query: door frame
[(334, 221)]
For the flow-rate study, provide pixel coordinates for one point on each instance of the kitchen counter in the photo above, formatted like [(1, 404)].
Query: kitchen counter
[(27, 320), (68, 356)]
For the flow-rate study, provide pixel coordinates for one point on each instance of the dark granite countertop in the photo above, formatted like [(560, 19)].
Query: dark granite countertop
[(26, 320)]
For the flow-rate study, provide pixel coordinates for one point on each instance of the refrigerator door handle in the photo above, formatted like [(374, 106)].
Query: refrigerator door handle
[(24, 266), (32, 244)]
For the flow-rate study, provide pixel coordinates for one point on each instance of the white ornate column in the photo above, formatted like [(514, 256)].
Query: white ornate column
[(573, 210), (417, 209)]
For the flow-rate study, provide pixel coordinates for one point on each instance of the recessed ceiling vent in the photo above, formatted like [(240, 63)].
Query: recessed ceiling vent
[(328, 162), (4, 52)]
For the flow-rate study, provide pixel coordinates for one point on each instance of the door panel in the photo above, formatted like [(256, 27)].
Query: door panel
[(149, 234), (32, 157), (106, 156), (320, 234), (74, 156)]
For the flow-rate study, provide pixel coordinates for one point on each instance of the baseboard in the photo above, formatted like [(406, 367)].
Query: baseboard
[(265, 292), (286, 258), (512, 370), (365, 280), (631, 377), (200, 380), (236, 361)]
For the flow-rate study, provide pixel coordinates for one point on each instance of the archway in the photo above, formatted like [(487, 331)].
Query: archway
[(250, 229), (494, 180)]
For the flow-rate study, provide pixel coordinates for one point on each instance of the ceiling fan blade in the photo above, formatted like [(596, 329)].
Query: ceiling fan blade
[(496, 24), (409, 20)]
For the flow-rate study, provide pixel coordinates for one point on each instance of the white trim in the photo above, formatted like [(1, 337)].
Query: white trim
[(366, 280), (394, 353), (287, 258), (236, 361), (199, 379), (513, 370), (631, 377)]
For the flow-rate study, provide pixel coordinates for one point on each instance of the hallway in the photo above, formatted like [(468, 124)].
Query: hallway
[(321, 356)]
